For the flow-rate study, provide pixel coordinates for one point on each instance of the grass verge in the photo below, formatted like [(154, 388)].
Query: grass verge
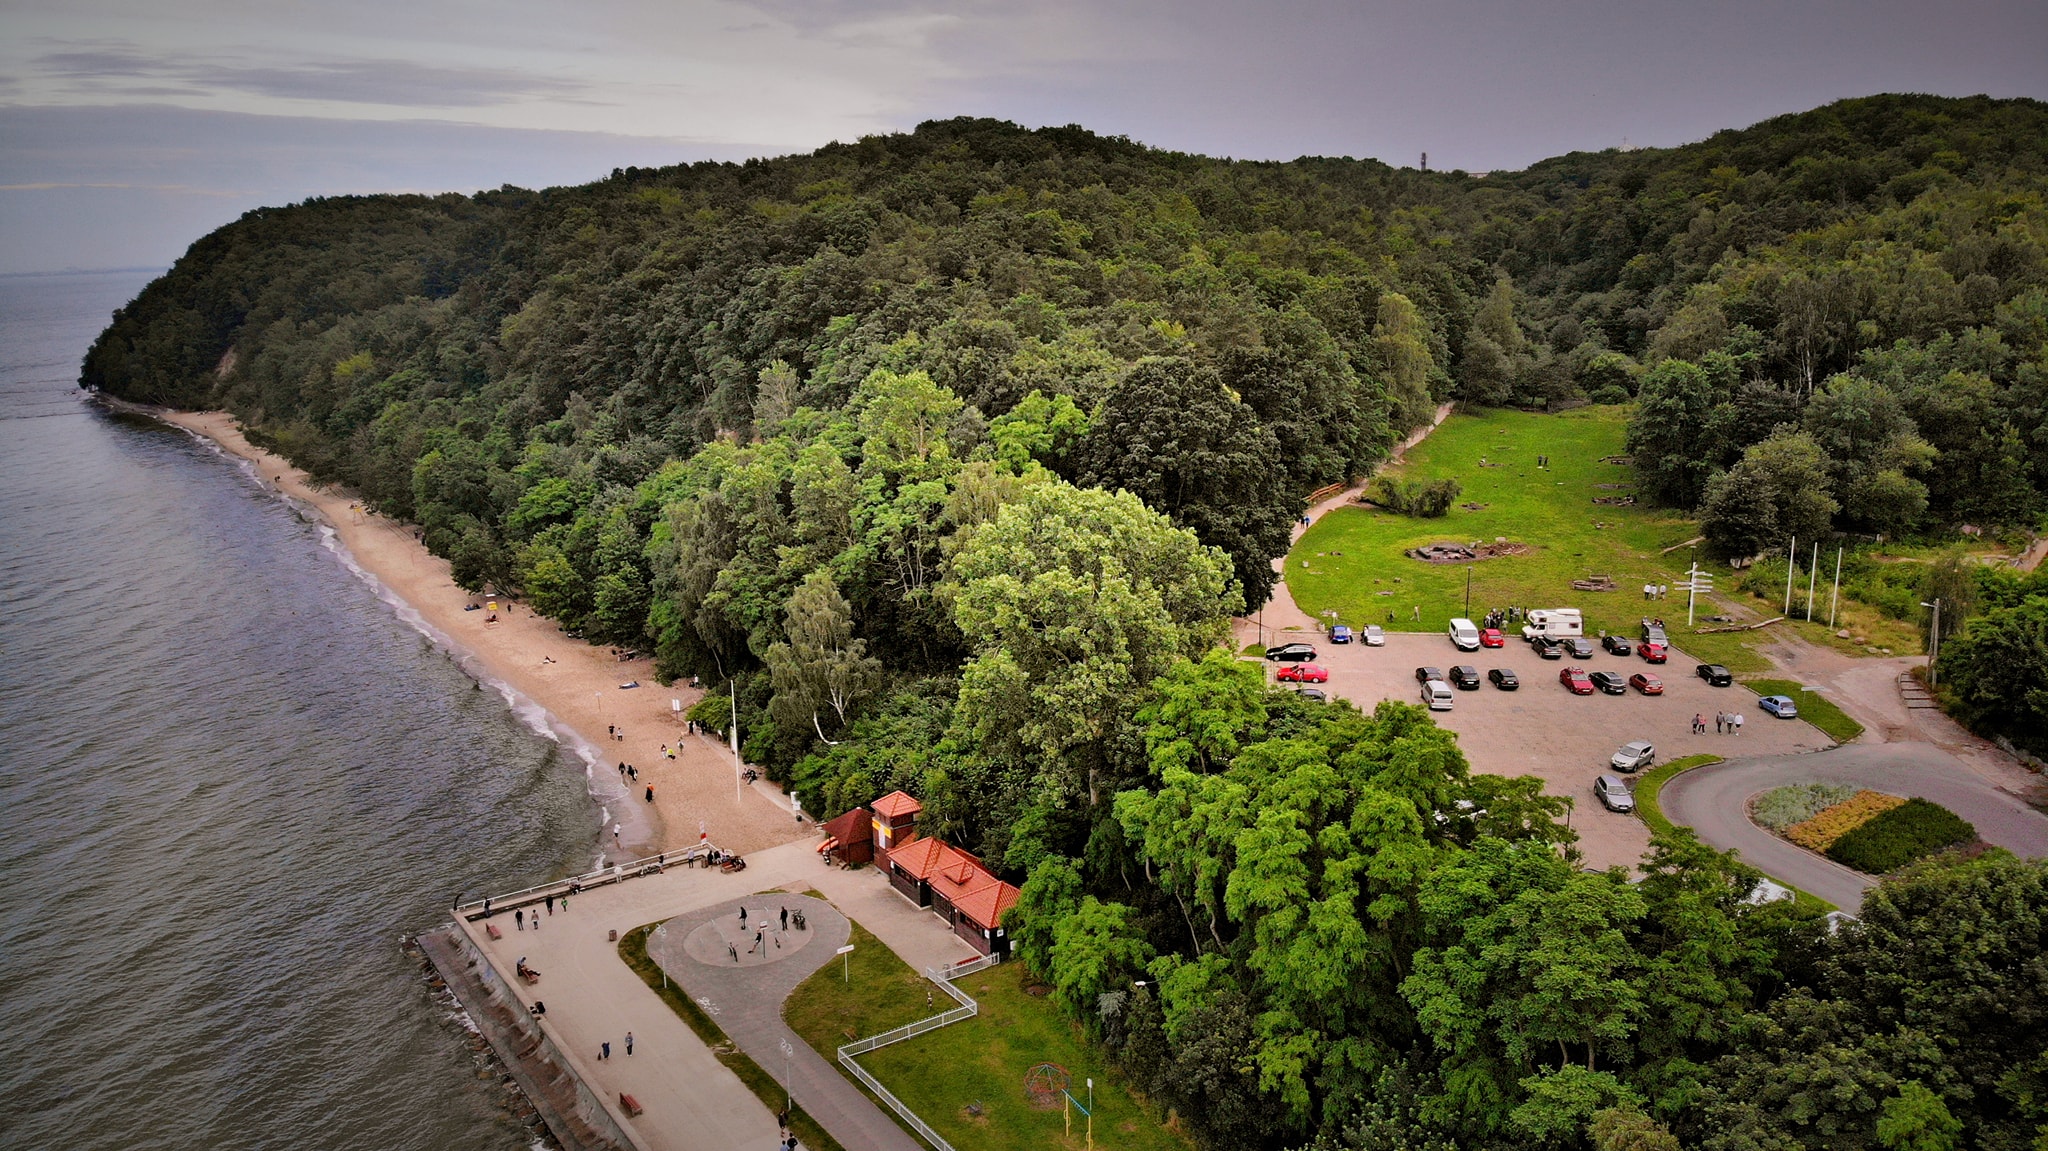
[(633, 949), (1647, 806), (1815, 709), (967, 1080)]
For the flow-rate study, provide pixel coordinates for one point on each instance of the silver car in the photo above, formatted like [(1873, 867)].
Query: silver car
[(1613, 793), (1375, 635), (1633, 756)]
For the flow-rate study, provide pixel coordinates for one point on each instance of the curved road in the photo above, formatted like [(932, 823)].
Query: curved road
[(1713, 800)]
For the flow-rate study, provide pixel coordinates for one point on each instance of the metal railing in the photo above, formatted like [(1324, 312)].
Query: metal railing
[(617, 872), (968, 1009)]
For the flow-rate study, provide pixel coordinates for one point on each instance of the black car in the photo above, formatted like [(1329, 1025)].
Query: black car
[(1503, 679), (1292, 652), (1312, 693), (1611, 682), (1617, 644), (1425, 674), (1548, 649), (1714, 674), (1578, 647), (1465, 677)]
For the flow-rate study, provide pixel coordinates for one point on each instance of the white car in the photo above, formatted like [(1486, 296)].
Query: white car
[(1436, 695), (1633, 756)]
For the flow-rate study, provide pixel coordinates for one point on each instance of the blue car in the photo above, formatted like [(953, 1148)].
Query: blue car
[(1340, 634), (1780, 706)]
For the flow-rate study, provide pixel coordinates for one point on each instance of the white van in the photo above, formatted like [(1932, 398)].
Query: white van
[(1436, 695), (1464, 635)]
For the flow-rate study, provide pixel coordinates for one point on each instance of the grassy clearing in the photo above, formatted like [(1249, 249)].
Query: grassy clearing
[(633, 949), (979, 1063), (1814, 708)]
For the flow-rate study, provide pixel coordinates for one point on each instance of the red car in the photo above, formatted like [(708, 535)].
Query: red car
[(1652, 652), (1647, 684), (1491, 637), (1576, 679), (1303, 673)]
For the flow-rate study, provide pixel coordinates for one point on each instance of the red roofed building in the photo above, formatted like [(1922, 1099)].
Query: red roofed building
[(895, 822), (848, 839), (931, 873)]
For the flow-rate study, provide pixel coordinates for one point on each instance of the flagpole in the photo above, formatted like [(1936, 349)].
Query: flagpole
[(1835, 596), (1791, 562), (735, 741)]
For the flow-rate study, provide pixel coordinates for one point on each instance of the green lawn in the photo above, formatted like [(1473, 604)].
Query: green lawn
[(979, 1063), (1814, 708), (1351, 562)]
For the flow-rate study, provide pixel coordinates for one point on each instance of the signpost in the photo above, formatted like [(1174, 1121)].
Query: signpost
[(788, 1095), (845, 965), (1696, 581)]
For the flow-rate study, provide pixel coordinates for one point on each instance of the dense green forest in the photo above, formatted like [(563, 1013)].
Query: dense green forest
[(955, 450)]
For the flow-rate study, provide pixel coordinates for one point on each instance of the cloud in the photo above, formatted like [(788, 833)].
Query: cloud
[(383, 82)]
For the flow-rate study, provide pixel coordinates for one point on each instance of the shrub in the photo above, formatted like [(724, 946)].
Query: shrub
[(1892, 839), (1782, 807), (1427, 499), (1820, 832)]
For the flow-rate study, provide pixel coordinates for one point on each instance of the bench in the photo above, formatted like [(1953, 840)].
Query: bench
[(629, 1105), (491, 929)]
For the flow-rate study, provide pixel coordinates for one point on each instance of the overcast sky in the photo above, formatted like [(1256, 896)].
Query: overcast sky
[(128, 128)]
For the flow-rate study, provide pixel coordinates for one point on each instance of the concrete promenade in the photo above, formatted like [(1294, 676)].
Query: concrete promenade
[(690, 1100)]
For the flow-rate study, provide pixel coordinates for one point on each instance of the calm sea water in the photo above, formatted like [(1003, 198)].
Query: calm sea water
[(231, 779)]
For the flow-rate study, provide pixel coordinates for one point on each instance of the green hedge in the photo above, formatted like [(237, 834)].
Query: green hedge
[(1913, 830)]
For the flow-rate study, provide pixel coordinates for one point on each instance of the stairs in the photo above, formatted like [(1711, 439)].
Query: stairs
[(1914, 693)]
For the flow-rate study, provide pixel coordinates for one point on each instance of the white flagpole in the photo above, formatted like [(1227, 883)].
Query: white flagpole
[(1791, 562), (1812, 572), (735, 741), (1835, 596)]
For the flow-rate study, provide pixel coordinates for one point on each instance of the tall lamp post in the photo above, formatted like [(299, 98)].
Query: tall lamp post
[(1468, 591), (1933, 639)]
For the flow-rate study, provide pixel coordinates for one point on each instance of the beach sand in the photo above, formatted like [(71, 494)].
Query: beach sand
[(577, 683)]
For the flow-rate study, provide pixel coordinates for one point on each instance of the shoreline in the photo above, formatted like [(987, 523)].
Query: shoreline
[(564, 689)]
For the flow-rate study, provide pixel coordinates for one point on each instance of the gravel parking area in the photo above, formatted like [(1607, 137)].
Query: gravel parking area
[(1563, 739)]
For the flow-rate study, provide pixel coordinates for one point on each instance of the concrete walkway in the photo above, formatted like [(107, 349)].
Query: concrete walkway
[(1713, 800), (742, 974), (691, 1100)]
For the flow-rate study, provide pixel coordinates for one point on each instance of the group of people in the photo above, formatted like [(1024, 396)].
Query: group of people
[(1725, 723), (520, 917), (604, 1049), (1656, 590), (1501, 617)]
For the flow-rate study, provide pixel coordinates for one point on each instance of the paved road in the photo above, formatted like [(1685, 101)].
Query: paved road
[(745, 995), (1713, 801)]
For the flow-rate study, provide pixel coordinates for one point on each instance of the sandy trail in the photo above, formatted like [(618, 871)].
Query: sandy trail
[(577, 684)]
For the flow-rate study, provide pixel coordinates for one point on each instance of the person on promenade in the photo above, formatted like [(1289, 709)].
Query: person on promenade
[(605, 1050), (616, 828), (551, 905), (629, 1042), (785, 919), (650, 793), (520, 917), (743, 919)]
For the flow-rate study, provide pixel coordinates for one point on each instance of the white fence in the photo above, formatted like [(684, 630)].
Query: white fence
[(944, 977)]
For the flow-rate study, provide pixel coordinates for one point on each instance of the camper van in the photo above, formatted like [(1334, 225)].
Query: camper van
[(1464, 635), (1554, 623)]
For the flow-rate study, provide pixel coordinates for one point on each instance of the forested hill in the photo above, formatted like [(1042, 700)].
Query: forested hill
[(953, 451)]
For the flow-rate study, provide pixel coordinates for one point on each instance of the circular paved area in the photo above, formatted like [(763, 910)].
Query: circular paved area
[(1713, 800)]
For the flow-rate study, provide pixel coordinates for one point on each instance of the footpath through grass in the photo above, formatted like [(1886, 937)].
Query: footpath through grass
[(1352, 562), (1814, 708), (967, 1080), (633, 949)]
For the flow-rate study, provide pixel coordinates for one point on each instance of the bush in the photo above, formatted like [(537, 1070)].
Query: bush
[(1913, 830), (1821, 832), (1781, 807), (1426, 499)]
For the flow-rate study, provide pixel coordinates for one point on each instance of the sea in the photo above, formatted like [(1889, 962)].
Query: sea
[(233, 779)]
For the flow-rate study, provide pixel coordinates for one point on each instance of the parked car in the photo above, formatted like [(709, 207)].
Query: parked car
[(1576, 680), (1504, 679), (1780, 706), (1546, 649), (1314, 693), (1375, 635), (1653, 652), (1646, 683), (1616, 644), (1464, 634), (1653, 632), (1465, 677), (1578, 647), (1613, 793), (1436, 695), (1492, 637), (1610, 682), (1340, 634), (1425, 674), (1295, 652), (1634, 755), (1714, 674), (1303, 673)]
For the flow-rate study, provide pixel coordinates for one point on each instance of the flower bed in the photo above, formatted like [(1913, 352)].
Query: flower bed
[(1781, 807), (1821, 832)]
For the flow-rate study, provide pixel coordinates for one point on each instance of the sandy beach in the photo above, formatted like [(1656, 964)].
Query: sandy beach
[(577, 683)]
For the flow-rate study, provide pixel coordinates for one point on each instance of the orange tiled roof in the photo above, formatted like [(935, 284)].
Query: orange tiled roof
[(920, 857), (896, 804), (849, 826), (986, 904)]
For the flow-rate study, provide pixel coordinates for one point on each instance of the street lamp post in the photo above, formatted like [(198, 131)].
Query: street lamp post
[(1468, 591), (1933, 639)]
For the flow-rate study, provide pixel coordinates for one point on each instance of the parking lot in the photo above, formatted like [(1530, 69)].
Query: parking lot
[(1545, 731)]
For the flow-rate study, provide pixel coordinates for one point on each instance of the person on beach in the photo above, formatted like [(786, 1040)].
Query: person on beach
[(612, 729), (616, 828), (650, 793)]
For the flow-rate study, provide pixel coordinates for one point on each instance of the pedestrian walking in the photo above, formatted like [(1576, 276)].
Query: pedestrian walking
[(1418, 613), (743, 919), (629, 1042), (1696, 723), (650, 793), (536, 923), (616, 828), (733, 951), (605, 1051), (632, 773), (519, 916), (1720, 722), (612, 729), (565, 905), (785, 919), (1738, 723), (551, 905)]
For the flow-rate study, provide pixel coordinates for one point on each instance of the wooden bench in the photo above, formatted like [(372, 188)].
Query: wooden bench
[(491, 929), (630, 1105)]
